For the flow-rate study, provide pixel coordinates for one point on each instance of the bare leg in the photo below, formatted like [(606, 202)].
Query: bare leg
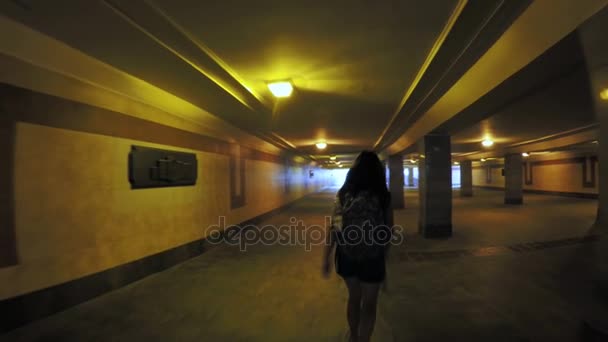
[(369, 300), (353, 308)]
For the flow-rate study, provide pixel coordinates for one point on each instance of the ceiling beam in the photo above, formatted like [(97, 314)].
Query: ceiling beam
[(529, 36), (162, 29), (74, 75), (432, 53), (553, 142)]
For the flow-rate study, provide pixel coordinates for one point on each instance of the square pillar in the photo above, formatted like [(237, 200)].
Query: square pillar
[(595, 46), (466, 178), (435, 187), (514, 192), (395, 166), (594, 41)]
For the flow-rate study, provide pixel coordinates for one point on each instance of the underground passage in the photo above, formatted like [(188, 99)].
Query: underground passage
[(391, 170)]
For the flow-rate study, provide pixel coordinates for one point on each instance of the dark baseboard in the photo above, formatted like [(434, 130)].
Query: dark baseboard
[(26, 308), (488, 187), (546, 192), (564, 194)]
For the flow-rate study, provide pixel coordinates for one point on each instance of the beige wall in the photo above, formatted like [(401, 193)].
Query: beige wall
[(479, 177), (74, 210), (563, 178), (76, 213), (559, 177)]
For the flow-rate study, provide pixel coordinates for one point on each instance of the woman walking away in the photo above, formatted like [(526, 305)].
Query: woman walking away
[(361, 231)]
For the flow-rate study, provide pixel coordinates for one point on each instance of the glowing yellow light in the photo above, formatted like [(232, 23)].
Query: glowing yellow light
[(321, 145), (413, 161), (525, 154), (280, 89), (332, 158), (456, 163), (483, 159), (338, 162), (604, 94), (595, 142), (339, 165), (487, 142)]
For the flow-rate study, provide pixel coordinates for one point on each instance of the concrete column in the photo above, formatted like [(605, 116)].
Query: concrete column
[(435, 187), (595, 45), (410, 176), (466, 178), (395, 166), (514, 192), (594, 40)]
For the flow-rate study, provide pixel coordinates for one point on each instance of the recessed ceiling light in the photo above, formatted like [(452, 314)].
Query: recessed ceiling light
[(321, 145), (483, 159), (332, 158), (487, 142), (339, 165), (525, 154), (280, 89), (595, 142), (413, 161), (604, 94), (456, 163)]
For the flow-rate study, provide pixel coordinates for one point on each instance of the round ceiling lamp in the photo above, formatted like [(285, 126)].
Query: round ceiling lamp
[(280, 89), (487, 142)]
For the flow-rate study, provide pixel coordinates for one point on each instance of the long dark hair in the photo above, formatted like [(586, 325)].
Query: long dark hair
[(368, 174)]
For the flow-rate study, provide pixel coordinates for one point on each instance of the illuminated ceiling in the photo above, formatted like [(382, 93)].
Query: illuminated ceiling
[(350, 61), (366, 73)]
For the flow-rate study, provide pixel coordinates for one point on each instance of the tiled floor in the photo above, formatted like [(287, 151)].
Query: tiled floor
[(509, 274)]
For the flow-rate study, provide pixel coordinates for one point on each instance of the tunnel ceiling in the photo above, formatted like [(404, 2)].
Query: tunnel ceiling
[(365, 72), (350, 61)]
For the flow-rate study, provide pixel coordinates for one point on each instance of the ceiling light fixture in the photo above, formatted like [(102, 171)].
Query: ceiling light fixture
[(604, 94), (595, 142), (456, 163), (339, 165), (525, 154), (483, 159), (280, 88), (413, 161), (321, 145), (332, 158), (487, 142)]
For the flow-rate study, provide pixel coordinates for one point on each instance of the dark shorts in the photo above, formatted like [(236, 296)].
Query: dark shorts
[(367, 271)]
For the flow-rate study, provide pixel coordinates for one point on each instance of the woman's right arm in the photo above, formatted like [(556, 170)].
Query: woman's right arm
[(330, 239)]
